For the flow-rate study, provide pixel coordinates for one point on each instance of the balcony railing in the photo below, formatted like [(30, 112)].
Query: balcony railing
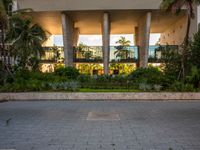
[(125, 54), (88, 54), (156, 51), (53, 54)]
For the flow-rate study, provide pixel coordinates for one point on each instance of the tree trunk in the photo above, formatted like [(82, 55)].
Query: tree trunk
[(185, 48)]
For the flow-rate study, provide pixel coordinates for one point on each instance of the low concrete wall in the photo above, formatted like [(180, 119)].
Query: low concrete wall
[(99, 96)]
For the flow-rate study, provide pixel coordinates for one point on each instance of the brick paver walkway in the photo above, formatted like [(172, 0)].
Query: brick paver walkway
[(113, 125)]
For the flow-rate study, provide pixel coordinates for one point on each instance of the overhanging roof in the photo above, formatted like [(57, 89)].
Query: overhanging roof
[(75, 5), (89, 22)]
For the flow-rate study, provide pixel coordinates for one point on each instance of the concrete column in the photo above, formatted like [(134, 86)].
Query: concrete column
[(136, 40), (143, 39), (106, 42), (75, 37), (67, 29)]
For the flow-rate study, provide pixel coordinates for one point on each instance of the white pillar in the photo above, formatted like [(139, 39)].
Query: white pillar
[(67, 29), (106, 41), (143, 39)]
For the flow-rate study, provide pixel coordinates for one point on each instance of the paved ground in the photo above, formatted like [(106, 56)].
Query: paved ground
[(61, 125)]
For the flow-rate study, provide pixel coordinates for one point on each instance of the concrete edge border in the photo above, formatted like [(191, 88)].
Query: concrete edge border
[(25, 96)]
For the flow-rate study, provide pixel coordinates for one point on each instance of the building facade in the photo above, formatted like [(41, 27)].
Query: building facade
[(72, 18)]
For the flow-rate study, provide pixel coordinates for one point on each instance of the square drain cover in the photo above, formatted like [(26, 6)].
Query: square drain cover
[(104, 116)]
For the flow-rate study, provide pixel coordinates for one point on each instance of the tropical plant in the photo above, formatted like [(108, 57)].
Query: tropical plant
[(3, 74), (195, 51), (57, 54), (67, 86), (175, 6), (172, 62), (87, 69), (179, 86), (194, 77), (150, 75), (88, 54), (122, 68), (81, 47), (4, 5), (84, 50), (26, 39), (122, 49), (69, 72)]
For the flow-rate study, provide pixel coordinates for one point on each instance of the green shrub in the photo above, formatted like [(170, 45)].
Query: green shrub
[(179, 86), (157, 87), (69, 72), (105, 82), (172, 60), (102, 78), (3, 74), (145, 87), (84, 78), (34, 85), (24, 80), (48, 77), (67, 86), (22, 74), (194, 77), (194, 58), (150, 75), (119, 79)]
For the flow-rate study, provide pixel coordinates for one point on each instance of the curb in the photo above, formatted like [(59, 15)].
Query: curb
[(27, 96)]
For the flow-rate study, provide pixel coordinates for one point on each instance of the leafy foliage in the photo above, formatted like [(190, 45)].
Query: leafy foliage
[(84, 50), (26, 39), (87, 69), (195, 51), (122, 49), (143, 79), (4, 19), (67, 86), (172, 61), (179, 86), (194, 77), (2, 74), (57, 54), (69, 72), (175, 6), (105, 82), (25, 80), (150, 75)]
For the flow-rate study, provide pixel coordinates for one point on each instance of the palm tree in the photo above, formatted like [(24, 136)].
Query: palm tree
[(4, 4), (80, 49), (4, 12), (175, 6), (26, 39), (122, 50)]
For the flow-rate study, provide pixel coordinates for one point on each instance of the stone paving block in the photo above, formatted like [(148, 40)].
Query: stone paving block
[(61, 125)]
